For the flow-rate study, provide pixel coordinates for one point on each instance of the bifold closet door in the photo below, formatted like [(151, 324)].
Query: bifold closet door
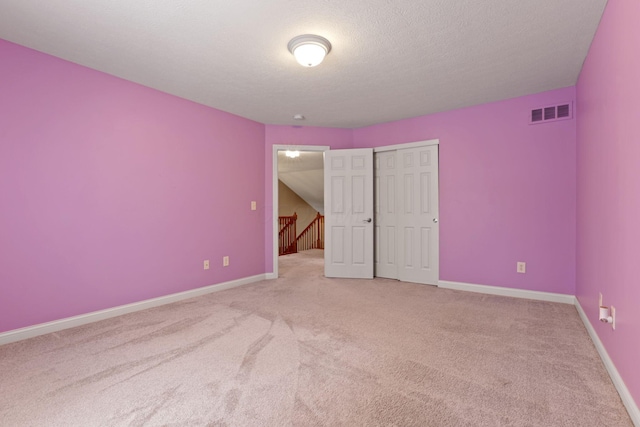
[(406, 214), (417, 217), (386, 219)]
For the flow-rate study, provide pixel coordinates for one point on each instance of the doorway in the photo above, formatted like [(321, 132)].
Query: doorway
[(278, 152)]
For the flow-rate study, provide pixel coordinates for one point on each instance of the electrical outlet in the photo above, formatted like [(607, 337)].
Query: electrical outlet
[(613, 317), (225, 261), (206, 264), (521, 267), (254, 206)]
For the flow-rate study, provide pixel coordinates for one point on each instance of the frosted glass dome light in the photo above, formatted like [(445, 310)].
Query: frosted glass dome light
[(309, 50)]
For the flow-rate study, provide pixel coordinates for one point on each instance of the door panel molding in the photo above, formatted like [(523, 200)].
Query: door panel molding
[(348, 213), (413, 199)]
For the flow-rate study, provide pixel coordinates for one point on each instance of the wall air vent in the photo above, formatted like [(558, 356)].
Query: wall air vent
[(551, 113), (564, 111)]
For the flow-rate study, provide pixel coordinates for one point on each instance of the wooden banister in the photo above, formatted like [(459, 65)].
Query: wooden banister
[(312, 237), (287, 243)]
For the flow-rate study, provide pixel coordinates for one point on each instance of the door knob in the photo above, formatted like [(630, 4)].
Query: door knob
[(366, 220), (435, 219)]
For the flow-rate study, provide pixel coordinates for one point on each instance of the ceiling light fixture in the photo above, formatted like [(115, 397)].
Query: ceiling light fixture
[(309, 50), (292, 154)]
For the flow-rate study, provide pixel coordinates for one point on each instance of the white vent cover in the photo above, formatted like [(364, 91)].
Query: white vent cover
[(551, 113)]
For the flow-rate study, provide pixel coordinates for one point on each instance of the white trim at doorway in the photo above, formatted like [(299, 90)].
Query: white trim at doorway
[(274, 193)]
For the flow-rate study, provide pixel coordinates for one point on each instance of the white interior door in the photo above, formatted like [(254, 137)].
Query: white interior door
[(386, 219), (418, 255), (348, 198)]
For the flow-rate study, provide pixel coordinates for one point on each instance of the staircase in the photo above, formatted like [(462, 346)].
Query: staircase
[(287, 242), (312, 237)]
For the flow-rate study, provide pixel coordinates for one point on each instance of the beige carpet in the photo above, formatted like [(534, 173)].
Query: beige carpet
[(309, 351)]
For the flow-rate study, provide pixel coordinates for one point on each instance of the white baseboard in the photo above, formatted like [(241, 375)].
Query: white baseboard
[(83, 319), (623, 391), (508, 292), (270, 276)]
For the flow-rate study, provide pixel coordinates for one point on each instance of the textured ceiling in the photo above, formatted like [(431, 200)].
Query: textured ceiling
[(391, 59)]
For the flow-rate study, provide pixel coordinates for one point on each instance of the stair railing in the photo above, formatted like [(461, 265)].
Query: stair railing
[(287, 242), (312, 237)]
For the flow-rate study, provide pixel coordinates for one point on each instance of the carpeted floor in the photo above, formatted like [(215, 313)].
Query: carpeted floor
[(304, 350)]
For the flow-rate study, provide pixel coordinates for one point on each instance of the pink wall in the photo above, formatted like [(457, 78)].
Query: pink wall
[(113, 193), (290, 135), (608, 203), (507, 191)]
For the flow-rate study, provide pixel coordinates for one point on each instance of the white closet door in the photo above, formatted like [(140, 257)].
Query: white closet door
[(417, 207), (348, 198), (386, 221)]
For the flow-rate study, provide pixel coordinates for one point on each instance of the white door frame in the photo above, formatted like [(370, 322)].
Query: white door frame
[(274, 192)]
